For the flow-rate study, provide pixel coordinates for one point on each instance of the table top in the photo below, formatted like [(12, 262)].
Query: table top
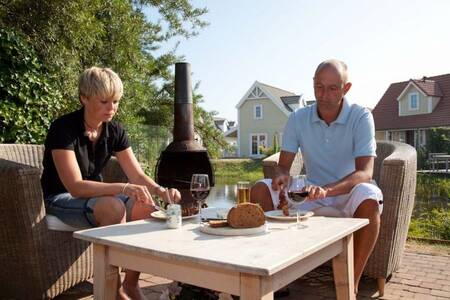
[(264, 254)]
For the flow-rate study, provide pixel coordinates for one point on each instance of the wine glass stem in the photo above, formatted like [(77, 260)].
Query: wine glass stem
[(200, 211)]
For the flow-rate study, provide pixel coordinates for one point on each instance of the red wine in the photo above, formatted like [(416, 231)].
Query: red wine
[(297, 196), (199, 194)]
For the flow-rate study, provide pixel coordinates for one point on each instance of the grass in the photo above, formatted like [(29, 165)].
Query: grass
[(431, 215), (230, 171)]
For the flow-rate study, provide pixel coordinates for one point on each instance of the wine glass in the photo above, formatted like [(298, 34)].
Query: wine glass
[(200, 190), (296, 191)]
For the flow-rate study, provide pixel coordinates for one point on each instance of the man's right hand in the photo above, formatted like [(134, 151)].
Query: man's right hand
[(280, 181)]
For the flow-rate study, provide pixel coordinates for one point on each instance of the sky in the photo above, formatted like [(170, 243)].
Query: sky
[(281, 42)]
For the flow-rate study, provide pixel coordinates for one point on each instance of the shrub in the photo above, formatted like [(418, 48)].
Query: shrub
[(434, 224), (29, 100)]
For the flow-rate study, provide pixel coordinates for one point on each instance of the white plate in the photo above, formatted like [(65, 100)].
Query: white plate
[(278, 215), (162, 216), (204, 227), (215, 212)]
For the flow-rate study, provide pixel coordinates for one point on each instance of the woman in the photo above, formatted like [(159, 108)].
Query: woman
[(77, 147)]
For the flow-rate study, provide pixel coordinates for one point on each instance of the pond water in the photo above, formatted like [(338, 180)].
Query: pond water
[(222, 195)]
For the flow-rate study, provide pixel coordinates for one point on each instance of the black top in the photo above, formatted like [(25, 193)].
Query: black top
[(67, 132)]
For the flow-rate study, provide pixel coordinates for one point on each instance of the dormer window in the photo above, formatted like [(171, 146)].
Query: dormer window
[(257, 112), (413, 101)]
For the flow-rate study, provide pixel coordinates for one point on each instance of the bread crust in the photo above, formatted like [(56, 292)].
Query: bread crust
[(246, 215)]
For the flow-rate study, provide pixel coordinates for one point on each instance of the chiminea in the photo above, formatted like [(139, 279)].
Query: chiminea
[(184, 156)]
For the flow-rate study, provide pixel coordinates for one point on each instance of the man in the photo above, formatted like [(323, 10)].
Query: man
[(337, 142)]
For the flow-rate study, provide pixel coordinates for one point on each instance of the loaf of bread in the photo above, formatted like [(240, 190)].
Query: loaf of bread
[(246, 215)]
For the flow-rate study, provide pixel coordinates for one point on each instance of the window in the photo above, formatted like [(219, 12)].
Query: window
[(258, 141), (422, 138), (414, 101), (257, 112)]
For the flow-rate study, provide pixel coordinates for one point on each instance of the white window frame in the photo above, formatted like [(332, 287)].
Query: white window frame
[(258, 141), (255, 117), (410, 95), (422, 137)]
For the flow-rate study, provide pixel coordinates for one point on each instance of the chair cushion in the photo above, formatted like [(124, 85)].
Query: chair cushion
[(54, 223)]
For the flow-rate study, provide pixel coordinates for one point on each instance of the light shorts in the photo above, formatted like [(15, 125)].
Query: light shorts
[(346, 204), (78, 212)]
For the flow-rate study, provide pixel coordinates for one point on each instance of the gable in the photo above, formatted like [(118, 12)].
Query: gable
[(411, 86), (259, 90), (257, 93)]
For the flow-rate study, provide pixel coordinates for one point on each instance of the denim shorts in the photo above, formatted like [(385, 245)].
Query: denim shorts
[(78, 212)]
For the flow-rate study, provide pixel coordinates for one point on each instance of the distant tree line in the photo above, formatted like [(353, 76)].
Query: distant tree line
[(45, 45)]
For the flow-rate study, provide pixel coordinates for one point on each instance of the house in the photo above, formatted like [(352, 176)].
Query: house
[(229, 131), (262, 114), (410, 108)]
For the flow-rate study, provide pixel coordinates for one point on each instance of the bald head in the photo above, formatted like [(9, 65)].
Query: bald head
[(339, 66)]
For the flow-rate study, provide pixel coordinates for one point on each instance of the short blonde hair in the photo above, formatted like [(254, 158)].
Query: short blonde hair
[(102, 82), (338, 65)]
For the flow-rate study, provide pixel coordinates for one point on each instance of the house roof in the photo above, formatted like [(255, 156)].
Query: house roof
[(275, 94), (276, 91), (232, 132), (386, 115), (429, 87), (290, 100)]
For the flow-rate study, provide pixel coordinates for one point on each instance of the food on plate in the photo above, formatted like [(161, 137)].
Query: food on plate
[(218, 223), (285, 210), (189, 210), (246, 215), (283, 205)]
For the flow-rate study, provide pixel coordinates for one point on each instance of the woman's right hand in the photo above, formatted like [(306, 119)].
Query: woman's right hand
[(138, 193)]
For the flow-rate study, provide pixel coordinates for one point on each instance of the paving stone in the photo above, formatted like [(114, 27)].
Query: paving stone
[(436, 274), (411, 282), (440, 293), (430, 285), (424, 297), (416, 289), (406, 275)]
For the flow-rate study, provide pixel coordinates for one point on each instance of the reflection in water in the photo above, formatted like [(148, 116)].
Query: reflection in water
[(222, 195)]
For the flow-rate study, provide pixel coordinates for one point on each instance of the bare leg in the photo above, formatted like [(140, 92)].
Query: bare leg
[(366, 237), (260, 194)]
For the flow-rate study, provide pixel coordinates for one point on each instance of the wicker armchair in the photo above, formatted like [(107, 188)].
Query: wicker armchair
[(37, 263), (395, 172)]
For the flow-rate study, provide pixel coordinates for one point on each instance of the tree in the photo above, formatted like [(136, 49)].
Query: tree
[(69, 36)]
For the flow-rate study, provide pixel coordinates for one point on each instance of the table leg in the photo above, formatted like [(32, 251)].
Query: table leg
[(343, 271), (252, 288), (106, 277)]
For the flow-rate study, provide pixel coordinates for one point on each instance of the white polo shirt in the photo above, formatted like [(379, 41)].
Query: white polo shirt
[(329, 152)]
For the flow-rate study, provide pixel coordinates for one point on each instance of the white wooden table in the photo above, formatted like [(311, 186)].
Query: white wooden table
[(252, 267)]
